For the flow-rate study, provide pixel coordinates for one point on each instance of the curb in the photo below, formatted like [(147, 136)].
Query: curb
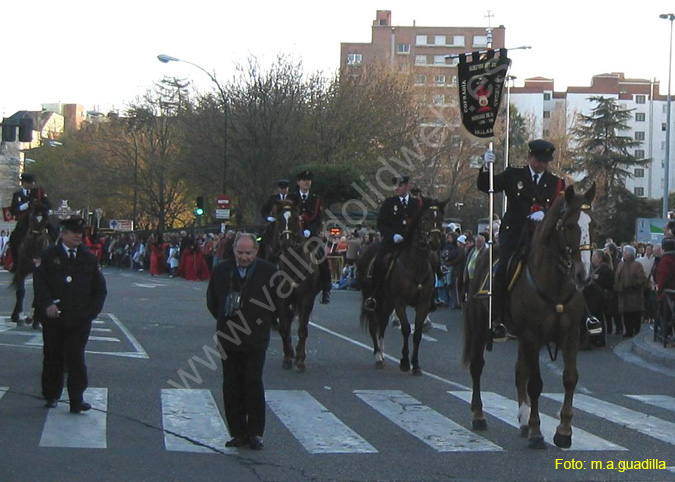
[(646, 348)]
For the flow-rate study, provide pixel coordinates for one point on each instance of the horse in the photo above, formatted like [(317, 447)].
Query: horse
[(410, 282), (297, 259), (550, 309), (33, 243)]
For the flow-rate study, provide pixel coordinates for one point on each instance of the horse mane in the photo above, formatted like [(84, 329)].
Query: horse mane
[(548, 225), (425, 204)]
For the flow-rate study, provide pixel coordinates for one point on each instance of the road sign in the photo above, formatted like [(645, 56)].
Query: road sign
[(222, 214), (223, 202), (122, 224)]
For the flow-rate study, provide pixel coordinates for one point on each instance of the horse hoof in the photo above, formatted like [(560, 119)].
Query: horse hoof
[(404, 366), (479, 424), (524, 431), (287, 364), (300, 367), (536, 443), (417, 372), (562, 441), (379, 364)]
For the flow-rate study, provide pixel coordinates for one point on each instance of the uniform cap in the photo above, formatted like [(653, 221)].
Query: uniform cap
[(305, 175), (542, 150), (282, 183), (27, 178), (398, 180), (74, 224)]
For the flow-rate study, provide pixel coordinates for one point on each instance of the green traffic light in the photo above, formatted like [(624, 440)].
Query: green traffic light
[(199, 212)]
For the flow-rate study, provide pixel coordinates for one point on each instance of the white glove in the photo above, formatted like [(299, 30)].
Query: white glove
[(398, 238), (271, 219), (23, 207), (306, 233), (536, 216), (489, 156)]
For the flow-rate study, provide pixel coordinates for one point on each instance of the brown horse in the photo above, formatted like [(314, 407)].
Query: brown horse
[(33, 243), (545, 306), (410, 283), (297, 259)]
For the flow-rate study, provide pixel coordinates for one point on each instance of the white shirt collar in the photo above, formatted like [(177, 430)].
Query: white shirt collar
[(405, 198), (532, 173)]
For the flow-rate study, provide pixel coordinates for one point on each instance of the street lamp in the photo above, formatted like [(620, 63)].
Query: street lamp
[(168, 58), (666, 187)]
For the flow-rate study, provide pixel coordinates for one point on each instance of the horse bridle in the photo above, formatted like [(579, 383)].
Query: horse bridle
[(287, 233), (436, 228), (566, 258)]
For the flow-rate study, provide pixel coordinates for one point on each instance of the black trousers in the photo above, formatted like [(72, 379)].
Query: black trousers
[(244, 393), (508, 243), (63, 347)]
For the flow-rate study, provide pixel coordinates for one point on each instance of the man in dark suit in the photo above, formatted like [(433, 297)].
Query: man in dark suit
[(311, 211), (22, 201), (266, 210), (242, 297), (530, 191), (393, 219), (69, 293)]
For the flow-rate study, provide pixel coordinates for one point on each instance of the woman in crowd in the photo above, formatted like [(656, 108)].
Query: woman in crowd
[(629, 283)]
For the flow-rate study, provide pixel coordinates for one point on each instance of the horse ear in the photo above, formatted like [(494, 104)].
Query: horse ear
[(442, 204), (590, 194), (569, 194)]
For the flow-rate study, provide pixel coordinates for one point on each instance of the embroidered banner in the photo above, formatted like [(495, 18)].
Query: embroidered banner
[(481, 81)]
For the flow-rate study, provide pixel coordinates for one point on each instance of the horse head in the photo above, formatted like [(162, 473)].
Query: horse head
[(427, 227), (571, 225), (38, 217), (288, 226)]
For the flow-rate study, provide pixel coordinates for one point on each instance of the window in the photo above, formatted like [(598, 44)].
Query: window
[(420, 60), (480, 40), (639, 191), (547, 96), (639, 154), (354, 59), (545, 133), (639, 172), (458, 40), (403, 48), (439, 39), (547, 114), (639, 117), (420, 79), (664, 127), (639, 136), (439, 99), (640, 99), (454, 81), (439, 59), (420, 40), (439, 80)]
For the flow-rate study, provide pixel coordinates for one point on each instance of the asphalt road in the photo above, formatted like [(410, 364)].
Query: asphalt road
[(156, 385)]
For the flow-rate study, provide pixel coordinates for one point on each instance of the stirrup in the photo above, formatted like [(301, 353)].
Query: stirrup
[(481, 294), (370, 304), (593, 325), (499, 332)]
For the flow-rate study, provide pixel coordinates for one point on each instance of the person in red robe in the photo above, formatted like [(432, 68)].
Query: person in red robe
[(157, 256), (192, 264)]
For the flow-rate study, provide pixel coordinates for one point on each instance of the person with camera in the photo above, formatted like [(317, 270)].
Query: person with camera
[(243, 299), (69, 294)]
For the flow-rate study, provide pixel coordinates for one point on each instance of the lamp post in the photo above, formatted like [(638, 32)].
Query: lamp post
[(666, 186), (168, 58)]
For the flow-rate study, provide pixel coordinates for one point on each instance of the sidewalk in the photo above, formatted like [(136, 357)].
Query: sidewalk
[(644, 346)]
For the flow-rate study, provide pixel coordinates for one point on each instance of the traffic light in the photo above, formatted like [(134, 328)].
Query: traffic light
[(199, 208)]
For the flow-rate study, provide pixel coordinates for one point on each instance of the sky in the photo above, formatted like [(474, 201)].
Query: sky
[(76, 51)]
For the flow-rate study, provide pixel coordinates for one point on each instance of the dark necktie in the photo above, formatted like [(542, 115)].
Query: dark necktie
[(71, 254), (304, 197), (242, 273), (535, 178), (404, 202)]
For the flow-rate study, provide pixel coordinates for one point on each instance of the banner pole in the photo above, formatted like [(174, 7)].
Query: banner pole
[(491, 202)]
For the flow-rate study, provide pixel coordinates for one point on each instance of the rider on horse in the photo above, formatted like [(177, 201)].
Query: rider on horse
[(22, 202), (392, 221)]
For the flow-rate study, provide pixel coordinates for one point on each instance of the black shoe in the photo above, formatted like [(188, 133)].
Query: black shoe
[(236, 442), (51, 403), (80, 407), (370, 304), (325, 298), (256, 442), (499, 332)]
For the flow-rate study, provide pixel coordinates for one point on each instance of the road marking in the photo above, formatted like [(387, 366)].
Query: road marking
[(439, 326), (140, 352), (101, 330), (661, 401), (104, 338), (3, 390), (82, 431), (432, 428), (147, 285), (193, 415), (647, 424), (6, 325), (317, 429), (506, 410)]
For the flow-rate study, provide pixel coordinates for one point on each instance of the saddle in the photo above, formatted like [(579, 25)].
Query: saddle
[(388, 262), (514, 270)]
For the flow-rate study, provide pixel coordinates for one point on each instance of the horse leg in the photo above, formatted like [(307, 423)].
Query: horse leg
[(285, 322), (404, 364), (522, 374), (534, 387), (420, 318), (378, 339), (563, 433), (475, 333), (303, 323), (18, 306)]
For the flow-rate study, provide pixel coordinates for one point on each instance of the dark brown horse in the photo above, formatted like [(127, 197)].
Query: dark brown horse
[(299, 270), (410, 283), (544, 307), (34, 242)]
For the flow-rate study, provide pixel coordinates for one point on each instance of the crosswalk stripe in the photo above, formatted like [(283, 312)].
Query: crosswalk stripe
[(432, 428), (194, 415), (643, 423), (662, 401), (318, 430), (506, 410), (85, 431), (3, 390)]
